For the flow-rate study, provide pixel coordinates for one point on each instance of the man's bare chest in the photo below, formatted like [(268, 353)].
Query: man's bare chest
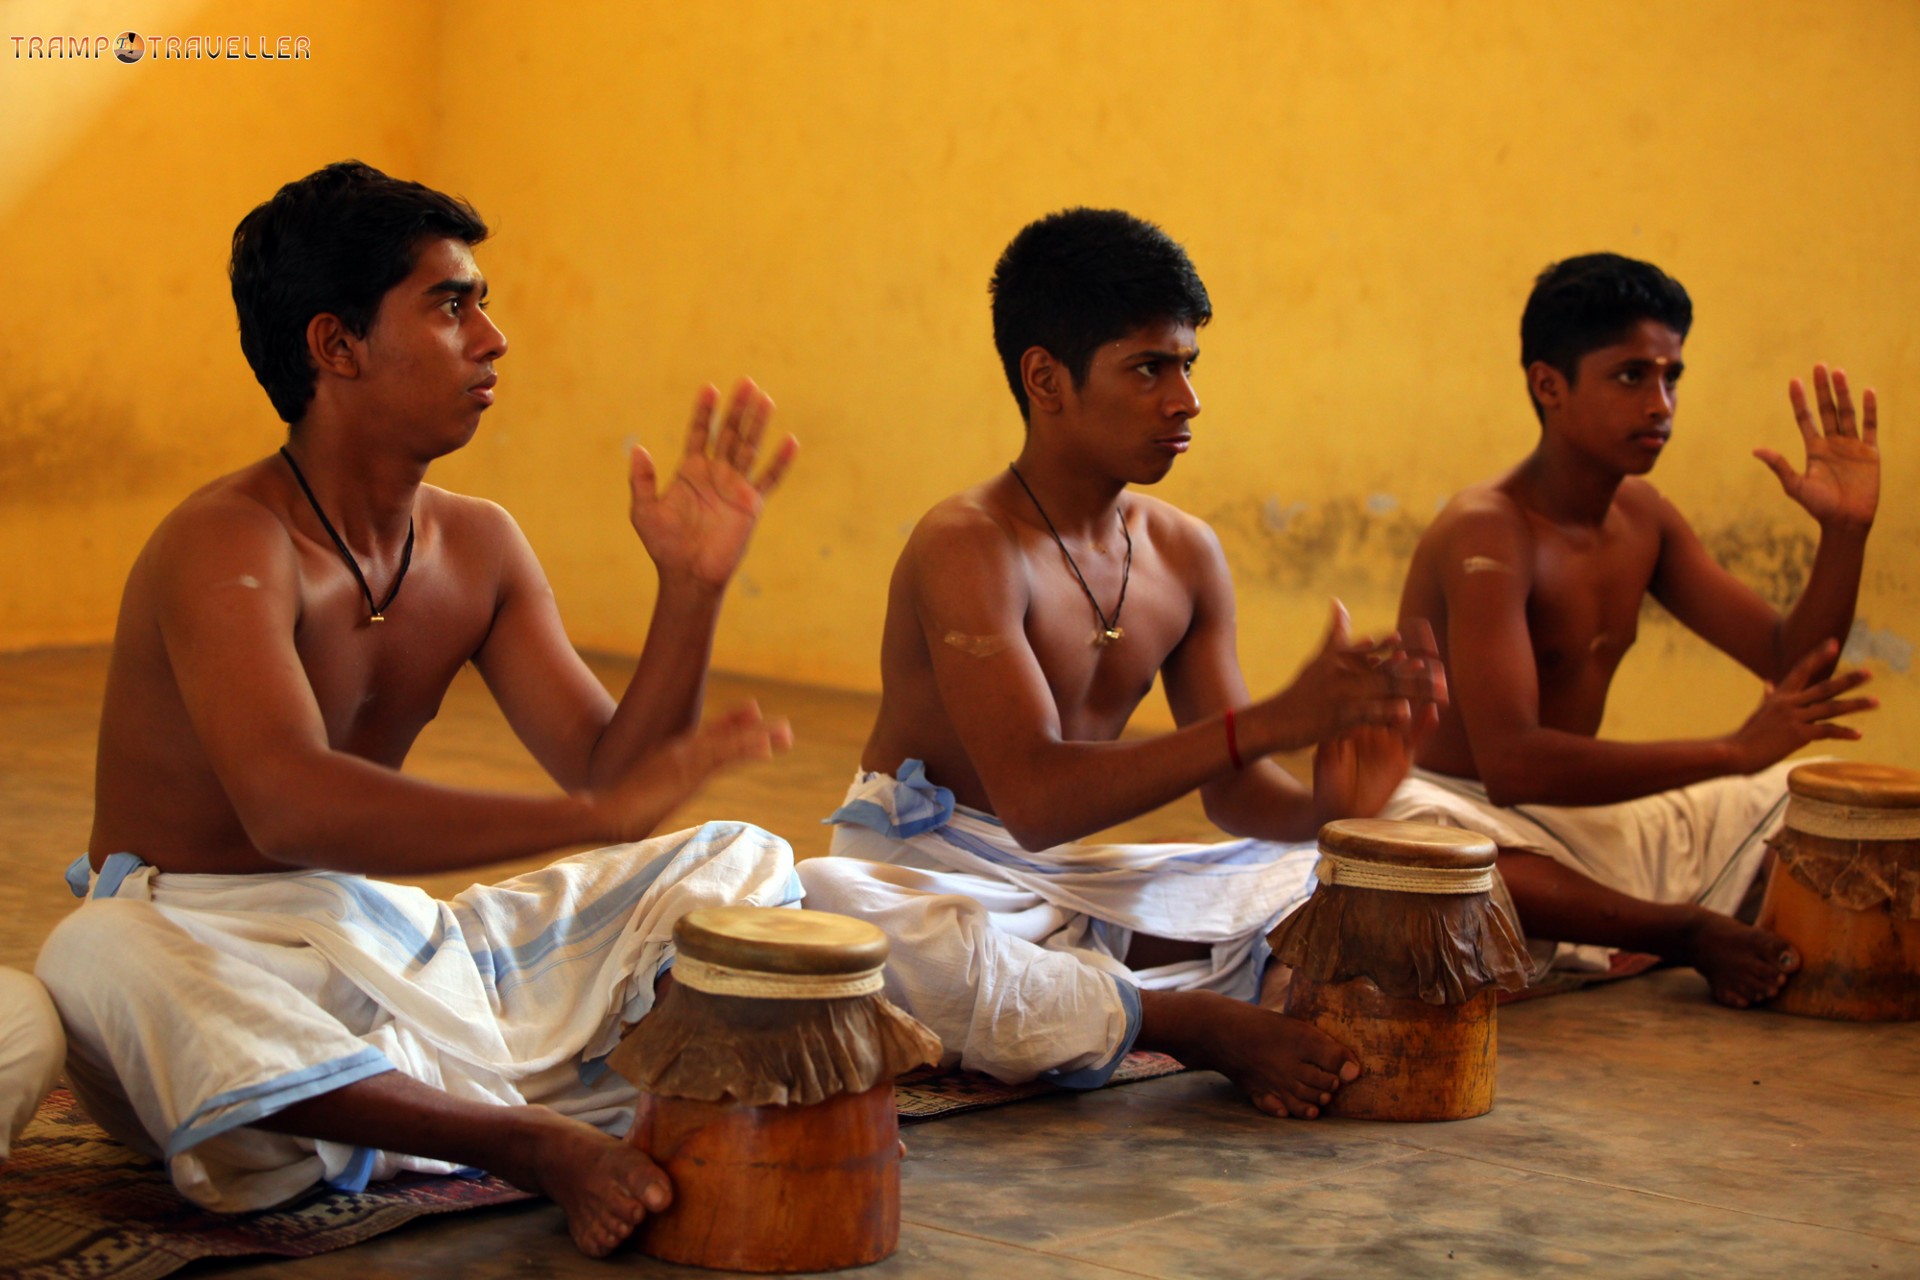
[(1583, 613), (378, 684), (1088, 672)]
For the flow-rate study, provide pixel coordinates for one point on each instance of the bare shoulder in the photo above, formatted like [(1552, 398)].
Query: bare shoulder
[(1642, 504), (469, 527), (1480, 517), (464, 512), (1182, 538), (234, 518), (970, 526)]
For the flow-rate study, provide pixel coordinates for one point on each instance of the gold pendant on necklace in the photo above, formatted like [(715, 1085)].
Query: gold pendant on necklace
[(378, 617), (1107, 636)]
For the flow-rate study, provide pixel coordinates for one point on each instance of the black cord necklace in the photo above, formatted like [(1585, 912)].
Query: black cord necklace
[(406, 556), (1109, 629)]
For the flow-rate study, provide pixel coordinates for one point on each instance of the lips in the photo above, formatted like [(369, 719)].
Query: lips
[(483, 389), (1175, 444)]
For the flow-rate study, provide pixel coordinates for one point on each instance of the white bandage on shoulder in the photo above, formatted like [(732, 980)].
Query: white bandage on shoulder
[(978, 646)]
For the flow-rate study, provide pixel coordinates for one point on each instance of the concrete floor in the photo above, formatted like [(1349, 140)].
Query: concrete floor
[(1640, 1130)]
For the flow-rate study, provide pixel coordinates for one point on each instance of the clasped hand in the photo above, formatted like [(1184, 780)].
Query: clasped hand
[(699, 527), (1841, 482), (1389, 682)]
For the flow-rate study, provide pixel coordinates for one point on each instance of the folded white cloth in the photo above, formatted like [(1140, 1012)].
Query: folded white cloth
[(1016, 958), (196, 1005), (1702, 844)]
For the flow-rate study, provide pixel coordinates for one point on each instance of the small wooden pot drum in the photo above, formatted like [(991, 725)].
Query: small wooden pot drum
[(766, 1075), (1845, 891), (1397, 955)]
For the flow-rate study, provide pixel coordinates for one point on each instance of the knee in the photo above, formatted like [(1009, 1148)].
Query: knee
[(97, 948), (830, 884), (31, 1041)]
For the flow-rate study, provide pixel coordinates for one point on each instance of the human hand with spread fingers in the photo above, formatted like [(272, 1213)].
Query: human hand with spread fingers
[(699, 526), (1841, 480)]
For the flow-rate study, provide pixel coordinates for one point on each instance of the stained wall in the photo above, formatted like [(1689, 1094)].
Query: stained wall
[(815, 195)]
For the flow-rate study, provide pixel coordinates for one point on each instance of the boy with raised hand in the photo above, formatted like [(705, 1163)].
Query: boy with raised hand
[(1534, 581), (241, 998)]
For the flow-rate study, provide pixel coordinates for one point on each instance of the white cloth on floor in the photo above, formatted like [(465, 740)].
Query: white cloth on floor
[(1702, 844), (31, 1050), (1015, 958), (196, 1005)]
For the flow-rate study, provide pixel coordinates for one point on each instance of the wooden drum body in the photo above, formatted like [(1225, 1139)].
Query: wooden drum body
[(766, 1077), (1418, 1061), (775, 1188), (1845, 891), (1398, 955)]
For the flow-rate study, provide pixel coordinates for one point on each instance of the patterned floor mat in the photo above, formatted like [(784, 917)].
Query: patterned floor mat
[(75, 1203)]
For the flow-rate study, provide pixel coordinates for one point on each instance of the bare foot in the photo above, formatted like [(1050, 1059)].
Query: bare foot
[(1742, 965), (1286, 1066), (606, 1187)]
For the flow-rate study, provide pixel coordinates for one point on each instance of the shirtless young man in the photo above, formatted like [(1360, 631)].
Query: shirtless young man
[(1027, 618), (239, 997), (1534, 583)]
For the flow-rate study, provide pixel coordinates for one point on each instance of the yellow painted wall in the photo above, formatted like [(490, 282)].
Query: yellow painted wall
[(815, 195), (122, 386)]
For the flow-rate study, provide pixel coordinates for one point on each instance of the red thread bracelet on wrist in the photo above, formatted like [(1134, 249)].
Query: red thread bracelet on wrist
[(1233, 743)]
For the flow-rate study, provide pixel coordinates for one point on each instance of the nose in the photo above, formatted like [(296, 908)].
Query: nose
[(1185, 401), (1664, 395), (493, 341)]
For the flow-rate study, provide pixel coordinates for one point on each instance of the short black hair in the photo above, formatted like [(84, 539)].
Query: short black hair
[(1585, 303), (1080, 278), (333, 242)]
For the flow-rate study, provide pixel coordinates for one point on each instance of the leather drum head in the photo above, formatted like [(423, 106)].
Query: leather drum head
[(1406, 844), (780, 940), (1857, 784)]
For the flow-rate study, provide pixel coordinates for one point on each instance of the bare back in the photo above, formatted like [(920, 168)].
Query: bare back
[(1038, 638), (376, 685)]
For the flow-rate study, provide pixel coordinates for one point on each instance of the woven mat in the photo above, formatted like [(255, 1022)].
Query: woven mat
[(929, 1094), (1623, 964), (75, 1203)]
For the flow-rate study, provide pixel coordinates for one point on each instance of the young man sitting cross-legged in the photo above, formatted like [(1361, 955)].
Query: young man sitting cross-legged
[(240, 998), (1534, 583), (1027, 618)]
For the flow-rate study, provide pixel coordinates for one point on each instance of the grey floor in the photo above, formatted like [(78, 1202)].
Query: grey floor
[(1640, 1129)]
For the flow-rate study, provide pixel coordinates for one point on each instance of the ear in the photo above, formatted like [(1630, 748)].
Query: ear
[(1046, 380), (332, 347), (1548, 384)]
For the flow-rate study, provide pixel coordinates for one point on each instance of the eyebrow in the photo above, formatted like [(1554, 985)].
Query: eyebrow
[(1188, 358), (459, 287)]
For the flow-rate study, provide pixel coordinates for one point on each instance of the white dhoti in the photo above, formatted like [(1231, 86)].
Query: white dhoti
[(31, 1049), (1702, 844), (1015, 959), (196, 1005)]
